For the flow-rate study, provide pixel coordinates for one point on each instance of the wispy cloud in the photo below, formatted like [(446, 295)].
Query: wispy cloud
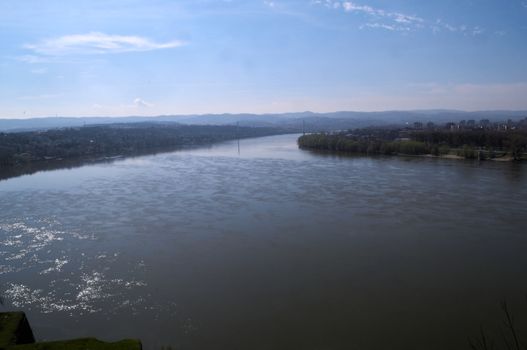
[(378, 18), (439, 25), (477, 31), (397, 17), (94, 43), (384, 26)]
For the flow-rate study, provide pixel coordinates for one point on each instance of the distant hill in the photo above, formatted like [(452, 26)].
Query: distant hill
[(293, 121)]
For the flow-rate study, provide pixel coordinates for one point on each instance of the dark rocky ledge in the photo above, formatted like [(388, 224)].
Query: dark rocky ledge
[(16, 334)]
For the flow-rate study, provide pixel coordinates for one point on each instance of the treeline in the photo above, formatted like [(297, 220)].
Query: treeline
[(513, 142), (343, 143), (112, 140), (475, 138), (468, 144)]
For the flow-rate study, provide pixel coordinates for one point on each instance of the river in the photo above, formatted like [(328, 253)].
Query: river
[(267, 246)]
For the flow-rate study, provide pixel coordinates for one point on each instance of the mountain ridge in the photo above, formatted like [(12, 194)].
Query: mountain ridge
[(320, 121)]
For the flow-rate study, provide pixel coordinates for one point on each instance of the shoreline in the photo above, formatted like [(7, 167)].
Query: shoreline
[(505, 158), (502, 159)]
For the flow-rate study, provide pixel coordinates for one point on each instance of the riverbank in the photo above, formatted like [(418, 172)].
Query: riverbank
[(505, 158), (503, 147), (502, 159), (30, 152)]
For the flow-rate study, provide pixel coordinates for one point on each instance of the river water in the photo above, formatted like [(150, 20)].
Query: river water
[(267, 247)]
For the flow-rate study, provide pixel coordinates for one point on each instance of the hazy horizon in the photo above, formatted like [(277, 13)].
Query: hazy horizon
[(277, 114), (122, 58)]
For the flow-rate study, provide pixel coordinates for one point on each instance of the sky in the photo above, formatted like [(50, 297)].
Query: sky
[(160, 57)]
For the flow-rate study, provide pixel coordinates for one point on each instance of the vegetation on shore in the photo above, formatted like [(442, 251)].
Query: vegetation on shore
[(468, 144), (16, 334), (508, 336), (113, 140)]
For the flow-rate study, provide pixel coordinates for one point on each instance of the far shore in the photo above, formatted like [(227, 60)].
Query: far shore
[(505, 158), (502, 159), (469, 144)]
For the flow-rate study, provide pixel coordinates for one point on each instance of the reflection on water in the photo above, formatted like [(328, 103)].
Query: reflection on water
[(271, 247), (35, 167), (38, 249)]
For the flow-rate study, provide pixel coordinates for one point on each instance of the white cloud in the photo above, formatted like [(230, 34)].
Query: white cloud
[(349, 6), (477, 31), (380, 25), (270, 3), (463, 29), (94, 43), (379, 18), (137, 106), (397, 21), (442, 25), (140, 103)]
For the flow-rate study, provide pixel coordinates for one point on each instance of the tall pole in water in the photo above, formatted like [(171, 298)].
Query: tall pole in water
[(303, 127)]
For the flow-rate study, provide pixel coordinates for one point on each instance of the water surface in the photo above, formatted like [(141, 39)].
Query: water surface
[(270, 247)]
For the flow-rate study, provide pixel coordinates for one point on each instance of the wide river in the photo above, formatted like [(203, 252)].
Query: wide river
[(270, 247)]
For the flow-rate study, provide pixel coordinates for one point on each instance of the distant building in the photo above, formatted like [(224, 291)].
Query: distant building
[(450, 126), (484, 123)]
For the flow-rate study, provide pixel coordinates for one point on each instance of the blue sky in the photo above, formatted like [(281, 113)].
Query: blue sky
[(85, 58)]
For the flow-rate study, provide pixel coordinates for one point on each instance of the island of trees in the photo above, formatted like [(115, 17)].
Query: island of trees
[(28, 151), (472, 140)]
